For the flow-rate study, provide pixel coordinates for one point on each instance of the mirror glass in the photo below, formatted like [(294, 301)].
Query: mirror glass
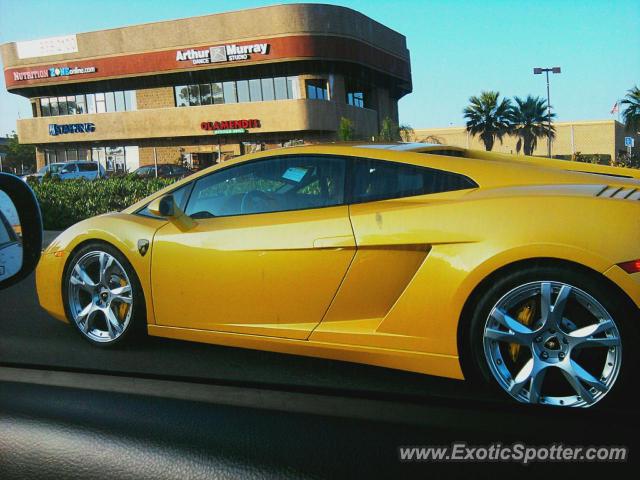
[(10, 238)]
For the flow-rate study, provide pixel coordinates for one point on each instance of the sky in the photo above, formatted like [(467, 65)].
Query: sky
[(458, 47)]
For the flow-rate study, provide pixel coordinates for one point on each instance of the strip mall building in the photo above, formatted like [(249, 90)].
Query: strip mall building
[(206, 88)]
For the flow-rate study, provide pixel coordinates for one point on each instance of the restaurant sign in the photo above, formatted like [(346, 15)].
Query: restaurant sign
[(227, 127)]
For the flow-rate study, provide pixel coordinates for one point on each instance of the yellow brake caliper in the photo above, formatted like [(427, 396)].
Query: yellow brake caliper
[(525, 316), (122, 309)]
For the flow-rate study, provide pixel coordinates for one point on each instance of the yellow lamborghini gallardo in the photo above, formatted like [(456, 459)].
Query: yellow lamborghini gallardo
[(521, 273)]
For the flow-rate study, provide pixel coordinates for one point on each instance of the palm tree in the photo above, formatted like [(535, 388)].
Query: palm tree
[(488, 117), (530, 122), (631, 114)]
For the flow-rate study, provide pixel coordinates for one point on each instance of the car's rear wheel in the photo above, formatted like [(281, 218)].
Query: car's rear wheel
[(102, 295), (552, 335)]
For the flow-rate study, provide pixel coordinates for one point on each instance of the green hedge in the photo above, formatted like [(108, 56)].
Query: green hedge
[(64, 203)]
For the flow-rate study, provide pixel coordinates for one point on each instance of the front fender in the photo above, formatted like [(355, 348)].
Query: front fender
[(121, 230)]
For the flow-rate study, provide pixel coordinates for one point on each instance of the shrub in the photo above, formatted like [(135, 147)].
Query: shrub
[(70, 201)]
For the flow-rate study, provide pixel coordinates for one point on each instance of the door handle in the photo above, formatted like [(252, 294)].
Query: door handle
[(334, 242)]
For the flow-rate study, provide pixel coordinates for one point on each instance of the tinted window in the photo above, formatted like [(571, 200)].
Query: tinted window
[(88, 167), (274, 185), (44, 107), (205, 94), (379, 180)]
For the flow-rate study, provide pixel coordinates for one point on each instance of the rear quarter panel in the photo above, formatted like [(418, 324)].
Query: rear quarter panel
[(470, 238)]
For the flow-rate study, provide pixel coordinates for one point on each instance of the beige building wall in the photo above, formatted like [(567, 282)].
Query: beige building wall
[(605, 137)]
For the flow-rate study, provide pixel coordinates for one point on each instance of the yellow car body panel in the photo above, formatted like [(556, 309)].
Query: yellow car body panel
[(383, 283), (544, 162)]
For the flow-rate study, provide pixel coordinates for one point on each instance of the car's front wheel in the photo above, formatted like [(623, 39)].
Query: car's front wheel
[(552, 335), (102, 295)]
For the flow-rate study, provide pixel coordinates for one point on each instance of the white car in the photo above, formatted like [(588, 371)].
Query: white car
[(70, 171)]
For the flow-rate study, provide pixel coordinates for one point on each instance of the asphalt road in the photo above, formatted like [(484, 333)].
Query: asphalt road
[(29, 337)]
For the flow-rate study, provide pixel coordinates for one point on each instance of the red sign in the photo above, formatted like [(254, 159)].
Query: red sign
[(230, 124)]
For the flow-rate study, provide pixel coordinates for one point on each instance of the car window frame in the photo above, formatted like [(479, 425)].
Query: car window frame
[(345, 184), (351, 177)]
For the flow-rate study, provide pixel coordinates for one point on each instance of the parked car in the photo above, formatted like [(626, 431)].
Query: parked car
[(165, 170), (70, 171), (52, 168)]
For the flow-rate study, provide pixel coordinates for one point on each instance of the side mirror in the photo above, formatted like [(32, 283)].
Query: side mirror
[(20, 230), (167, 207)]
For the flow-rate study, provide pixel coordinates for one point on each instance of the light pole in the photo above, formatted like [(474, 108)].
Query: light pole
[(538, 71)]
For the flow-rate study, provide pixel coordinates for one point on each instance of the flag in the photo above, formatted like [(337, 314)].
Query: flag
[(615, 108)]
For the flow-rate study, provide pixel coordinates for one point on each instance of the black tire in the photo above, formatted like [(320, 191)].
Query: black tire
[(136, 327), (622, 310)]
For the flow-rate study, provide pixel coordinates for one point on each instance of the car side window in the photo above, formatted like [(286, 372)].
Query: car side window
[(295, 182), (179, 196), (381, 180), (88, 167), (70, 168)]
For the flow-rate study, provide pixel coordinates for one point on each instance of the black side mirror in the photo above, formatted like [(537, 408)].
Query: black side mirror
[(20, 230)]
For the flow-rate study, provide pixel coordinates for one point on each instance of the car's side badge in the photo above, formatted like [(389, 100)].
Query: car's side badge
[(143, 246)]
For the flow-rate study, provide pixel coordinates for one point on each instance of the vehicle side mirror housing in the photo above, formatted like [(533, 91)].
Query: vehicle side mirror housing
[(20, 230), (167, 207)]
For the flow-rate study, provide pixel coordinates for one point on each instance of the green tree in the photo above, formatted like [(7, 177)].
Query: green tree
[(345, 129), (389, 130), (530, 123), (19, 156), (488, 117), (406, 132), (631, 114)]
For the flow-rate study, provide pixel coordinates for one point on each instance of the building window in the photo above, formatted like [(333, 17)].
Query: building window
[(119, 101), (130, 101), (242, 87), (205, 94), (356, 99), (62, 106), (216, 93), (81, 106), (317, 89), (101, 106), (268, 93), (71, 105), (255, 90), (91, 103), (194, 95), (111, 101), (281, 88), (44, 107), (34, 109), (182, 96), (229, 89)]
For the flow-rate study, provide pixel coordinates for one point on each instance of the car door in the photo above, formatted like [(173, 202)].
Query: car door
[(69, 172), (272, 243)]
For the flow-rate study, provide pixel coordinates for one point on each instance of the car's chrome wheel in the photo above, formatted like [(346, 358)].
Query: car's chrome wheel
[(100, 296), (550, 342)]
